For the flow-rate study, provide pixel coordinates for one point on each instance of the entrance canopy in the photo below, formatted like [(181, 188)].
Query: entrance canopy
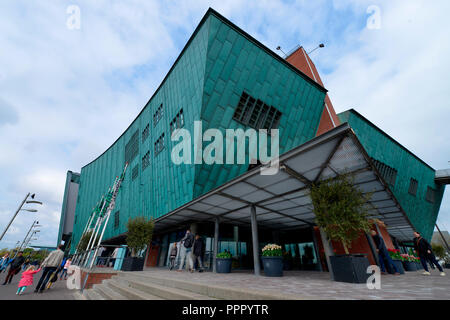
[(282, 201)]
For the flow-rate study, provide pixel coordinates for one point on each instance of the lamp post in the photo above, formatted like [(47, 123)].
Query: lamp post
[(20, 209), (319, 46)]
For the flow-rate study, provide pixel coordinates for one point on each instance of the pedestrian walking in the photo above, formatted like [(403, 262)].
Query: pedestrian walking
[(383, 253), (65, 268), (4, 262), (14, 267), (27, 279), (173, 256), (197, 252), (425, 253), (185, 250), (50, 265)]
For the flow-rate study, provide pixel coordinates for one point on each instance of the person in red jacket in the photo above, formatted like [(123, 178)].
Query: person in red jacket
[(27, 279)]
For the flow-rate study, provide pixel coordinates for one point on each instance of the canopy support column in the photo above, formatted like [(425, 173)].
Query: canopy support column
[(328, 251), (216, 242), (255, 241)]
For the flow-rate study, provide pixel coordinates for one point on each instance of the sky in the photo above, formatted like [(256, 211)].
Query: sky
[(67, 93)]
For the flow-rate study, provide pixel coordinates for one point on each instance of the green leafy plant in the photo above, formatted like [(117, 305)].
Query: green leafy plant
[(438, 250), (84, 241), (140, 231), (272, 250), (224, 255), (340, 209)]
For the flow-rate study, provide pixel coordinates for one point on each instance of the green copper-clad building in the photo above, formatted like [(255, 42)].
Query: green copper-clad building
[(225, 79)]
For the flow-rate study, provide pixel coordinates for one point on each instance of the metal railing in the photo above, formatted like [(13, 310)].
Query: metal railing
[(87, 260)]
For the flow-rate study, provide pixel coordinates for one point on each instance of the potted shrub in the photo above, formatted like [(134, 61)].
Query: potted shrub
[(409, 262), (223, 262), (272, 258), (140, 231), (341, 212), (397, 259)]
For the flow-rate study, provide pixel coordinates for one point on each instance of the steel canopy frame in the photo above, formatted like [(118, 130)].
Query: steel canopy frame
[(282, 201)]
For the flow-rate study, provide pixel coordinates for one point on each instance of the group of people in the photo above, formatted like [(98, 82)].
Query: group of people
[(53, 264), (422, 247), (190, 249)]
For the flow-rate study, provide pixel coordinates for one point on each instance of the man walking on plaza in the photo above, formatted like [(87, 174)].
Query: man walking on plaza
[(14, 267), (185, 250), (50, 264), (383, 253), (197, 252), (423, 249)]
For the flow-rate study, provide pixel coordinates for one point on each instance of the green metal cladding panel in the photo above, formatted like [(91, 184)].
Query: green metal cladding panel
[(421, 213), (206, 81), (162, 186), (236, 63)]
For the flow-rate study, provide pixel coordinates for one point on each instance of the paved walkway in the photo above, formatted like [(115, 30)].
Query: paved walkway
[(317, 285), (58, 291)]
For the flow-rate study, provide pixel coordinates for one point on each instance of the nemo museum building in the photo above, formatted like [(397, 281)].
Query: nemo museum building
[(226, 79)]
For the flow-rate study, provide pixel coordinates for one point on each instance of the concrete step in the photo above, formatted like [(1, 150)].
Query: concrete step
[(107, 292), (205, 291), (92, 294), (164, 292), (122, 287)]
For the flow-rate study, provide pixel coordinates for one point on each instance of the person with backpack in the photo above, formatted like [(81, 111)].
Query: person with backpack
[(423, 248), (185, 250), (50, 265), (197, 252)]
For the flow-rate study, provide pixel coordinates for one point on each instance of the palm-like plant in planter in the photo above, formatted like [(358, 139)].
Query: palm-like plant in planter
[(340, 211), (140, 231)]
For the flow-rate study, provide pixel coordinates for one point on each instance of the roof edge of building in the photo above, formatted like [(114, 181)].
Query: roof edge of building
[(352, 110)]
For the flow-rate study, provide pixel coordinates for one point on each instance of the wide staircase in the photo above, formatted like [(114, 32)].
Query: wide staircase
[(141, 286)]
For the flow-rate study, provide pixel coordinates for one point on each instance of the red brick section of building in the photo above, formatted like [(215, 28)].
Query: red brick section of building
[(303, 62)]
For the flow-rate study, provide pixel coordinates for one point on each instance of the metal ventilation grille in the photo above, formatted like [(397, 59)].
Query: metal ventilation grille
[(256, 114), (145, 133), (135, 172), (389, 174), (132, 147)]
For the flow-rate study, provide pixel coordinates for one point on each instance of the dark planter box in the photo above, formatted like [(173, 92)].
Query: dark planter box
[(447, 266), (350, 268), (223, 265), (273, 266), (409, 266), (398, 264), (133, 264)]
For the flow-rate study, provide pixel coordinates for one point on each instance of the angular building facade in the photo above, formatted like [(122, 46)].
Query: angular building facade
[(220, 67), (68, 209)]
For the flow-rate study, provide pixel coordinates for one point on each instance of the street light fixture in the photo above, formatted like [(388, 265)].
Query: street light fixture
[(319, 46), (19, 209)]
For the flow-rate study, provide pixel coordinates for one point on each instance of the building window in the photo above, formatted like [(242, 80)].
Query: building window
[(135, 172), (177, 122), (388, 173), (132, 147), (256, 114), (146, 160), (145, 133), (157, 115), (431, 195), (159, 144), (116, 219), (413, 184)]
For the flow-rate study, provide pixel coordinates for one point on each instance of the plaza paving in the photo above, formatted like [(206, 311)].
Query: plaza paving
[(317, 285), (58, 291), (296, 284)]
